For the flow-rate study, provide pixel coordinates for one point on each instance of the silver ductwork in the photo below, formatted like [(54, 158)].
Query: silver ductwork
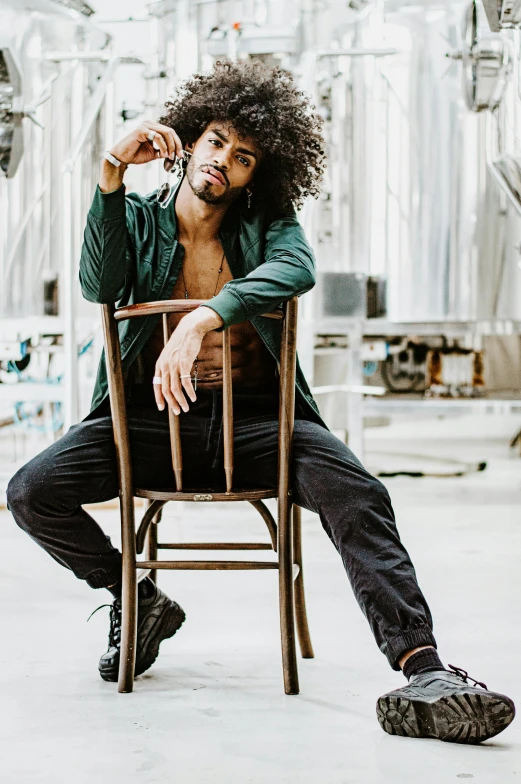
[(408, 196), (42, 107)]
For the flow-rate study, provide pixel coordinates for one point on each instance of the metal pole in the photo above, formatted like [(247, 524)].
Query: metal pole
[(67, 309), (354, 399)]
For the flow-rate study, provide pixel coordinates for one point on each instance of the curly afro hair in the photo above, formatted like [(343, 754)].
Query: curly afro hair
[(262, 103)]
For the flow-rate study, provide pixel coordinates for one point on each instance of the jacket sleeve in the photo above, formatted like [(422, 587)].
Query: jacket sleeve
[(288, 270), (118, 227)]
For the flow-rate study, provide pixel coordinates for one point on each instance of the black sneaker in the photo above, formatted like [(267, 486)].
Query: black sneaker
[(443, 705), (158, 618)]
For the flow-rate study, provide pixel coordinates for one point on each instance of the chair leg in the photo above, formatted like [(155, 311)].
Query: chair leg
[(304, 637), (128, 598), (287, 615), (151, 545)]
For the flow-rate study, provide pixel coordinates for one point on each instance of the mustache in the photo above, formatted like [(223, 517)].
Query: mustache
[(208, 166)]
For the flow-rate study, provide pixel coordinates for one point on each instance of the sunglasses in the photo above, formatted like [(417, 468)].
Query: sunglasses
[(174, 169)]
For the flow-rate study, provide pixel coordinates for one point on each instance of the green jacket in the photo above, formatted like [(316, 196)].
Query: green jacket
[(128, 257)]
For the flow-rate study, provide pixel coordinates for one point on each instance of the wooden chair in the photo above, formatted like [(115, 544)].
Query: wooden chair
[(285, 534)]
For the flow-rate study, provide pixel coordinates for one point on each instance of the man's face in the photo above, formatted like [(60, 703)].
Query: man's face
[(223, 164)]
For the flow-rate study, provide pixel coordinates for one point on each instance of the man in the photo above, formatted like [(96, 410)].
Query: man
[(252, 148)]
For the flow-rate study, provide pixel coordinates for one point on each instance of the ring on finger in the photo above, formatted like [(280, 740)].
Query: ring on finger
[(187, 375), (151, 136), (157, 380)]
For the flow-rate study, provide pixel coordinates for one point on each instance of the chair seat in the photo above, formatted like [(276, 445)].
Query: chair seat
[(205, 495)]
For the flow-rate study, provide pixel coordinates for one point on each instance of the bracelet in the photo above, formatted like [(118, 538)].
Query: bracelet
[(111, 159)]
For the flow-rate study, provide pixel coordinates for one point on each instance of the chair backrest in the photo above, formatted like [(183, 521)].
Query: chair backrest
[(111, 315)]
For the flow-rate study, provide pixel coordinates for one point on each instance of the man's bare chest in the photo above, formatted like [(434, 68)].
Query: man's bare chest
[(204, 271)]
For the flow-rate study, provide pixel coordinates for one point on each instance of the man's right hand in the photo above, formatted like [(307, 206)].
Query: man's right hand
[(137, 148)]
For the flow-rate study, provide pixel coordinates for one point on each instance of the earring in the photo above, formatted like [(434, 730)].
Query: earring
[(249, 195)]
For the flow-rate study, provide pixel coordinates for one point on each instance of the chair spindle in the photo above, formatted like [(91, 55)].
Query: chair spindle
[(174, 424), (227, 410)]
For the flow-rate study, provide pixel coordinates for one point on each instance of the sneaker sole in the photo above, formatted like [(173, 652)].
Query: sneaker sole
[(461, 718), (168, 623)]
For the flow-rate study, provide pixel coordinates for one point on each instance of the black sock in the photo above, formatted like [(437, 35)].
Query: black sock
[(145, 589), (426, 660), (116, 589)]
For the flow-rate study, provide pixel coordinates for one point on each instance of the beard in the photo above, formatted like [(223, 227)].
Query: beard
[(204, 192)]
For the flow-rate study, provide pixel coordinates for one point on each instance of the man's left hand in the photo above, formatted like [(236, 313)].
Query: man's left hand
[(178, 356)]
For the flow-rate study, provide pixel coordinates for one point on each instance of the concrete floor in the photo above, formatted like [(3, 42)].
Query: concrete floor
[(212, 709)]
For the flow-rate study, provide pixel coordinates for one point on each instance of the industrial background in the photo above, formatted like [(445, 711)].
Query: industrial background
[(411, 342)]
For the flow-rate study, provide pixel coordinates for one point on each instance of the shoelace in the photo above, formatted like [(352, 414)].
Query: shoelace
[(463, 674), (115, 623)]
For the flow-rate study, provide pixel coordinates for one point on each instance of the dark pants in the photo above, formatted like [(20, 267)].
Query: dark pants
[(46, 497)]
